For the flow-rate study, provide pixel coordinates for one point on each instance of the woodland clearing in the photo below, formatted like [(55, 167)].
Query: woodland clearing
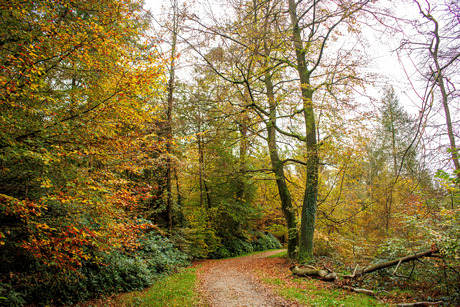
[(134, 142)]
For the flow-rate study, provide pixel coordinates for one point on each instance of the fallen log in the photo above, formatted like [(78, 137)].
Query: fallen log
[(392, 263), (312, 271), (331, 276), (420, 304)]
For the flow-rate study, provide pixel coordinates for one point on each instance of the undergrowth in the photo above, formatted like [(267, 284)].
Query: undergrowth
[(241, 246), (117, 271)]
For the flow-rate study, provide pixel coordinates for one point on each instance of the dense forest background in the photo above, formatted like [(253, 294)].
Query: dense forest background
[(133, 141)]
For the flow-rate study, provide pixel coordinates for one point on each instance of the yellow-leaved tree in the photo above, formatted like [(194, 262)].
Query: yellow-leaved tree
[(78, 82)]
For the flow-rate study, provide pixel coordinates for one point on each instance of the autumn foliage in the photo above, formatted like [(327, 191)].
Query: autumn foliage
[(78, 84), (112, 171)]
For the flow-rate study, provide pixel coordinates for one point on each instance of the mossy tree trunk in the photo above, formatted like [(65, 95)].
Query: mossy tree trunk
[(308, 215)]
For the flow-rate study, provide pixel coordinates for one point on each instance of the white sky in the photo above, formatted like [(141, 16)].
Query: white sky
[(384, 61), (154, 5)]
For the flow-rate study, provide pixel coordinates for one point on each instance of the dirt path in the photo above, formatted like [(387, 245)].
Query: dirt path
[(232, 282)]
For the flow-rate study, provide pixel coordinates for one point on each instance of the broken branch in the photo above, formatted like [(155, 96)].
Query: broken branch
[(312, 271)]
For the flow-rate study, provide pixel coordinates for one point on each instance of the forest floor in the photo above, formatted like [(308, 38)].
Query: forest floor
[(235, 281), (252, 280)]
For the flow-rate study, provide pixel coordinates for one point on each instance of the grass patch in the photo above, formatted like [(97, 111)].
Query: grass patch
[(178, 289), (252, 253), (336, 297), (309, 294), (279, 255), (274, 281)]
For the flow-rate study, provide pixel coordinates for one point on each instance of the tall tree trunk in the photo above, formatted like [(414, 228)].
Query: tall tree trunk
[(169, 136), (450, 132), (276, 163), (277, 166), (439, 79), (437, 73), (308, 216)]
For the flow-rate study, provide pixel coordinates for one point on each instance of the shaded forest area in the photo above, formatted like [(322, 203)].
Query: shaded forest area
[(134, 141)]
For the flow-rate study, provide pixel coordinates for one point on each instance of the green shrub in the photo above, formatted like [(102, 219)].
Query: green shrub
[(118, 271), (239, 246), (197, 243), (160, 254), (266, 241), (222, 252), (121, 273), (9, 297)]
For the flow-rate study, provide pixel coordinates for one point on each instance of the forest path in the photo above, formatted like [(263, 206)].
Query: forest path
[(233, 282)]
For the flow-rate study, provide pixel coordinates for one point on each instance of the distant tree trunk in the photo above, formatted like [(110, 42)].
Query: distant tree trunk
[(243, 128), (393, 139), (208, 195), (179, 198), (200, 162), (395, 167), (205, 193)]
